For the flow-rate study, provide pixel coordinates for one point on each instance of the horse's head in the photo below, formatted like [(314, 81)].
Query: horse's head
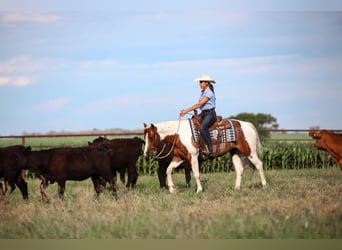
[(152, 139)]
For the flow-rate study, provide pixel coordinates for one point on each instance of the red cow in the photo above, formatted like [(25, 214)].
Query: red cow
[(330, 142)]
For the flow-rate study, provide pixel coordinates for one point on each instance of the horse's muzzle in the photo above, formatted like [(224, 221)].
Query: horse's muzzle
[(150, 154)]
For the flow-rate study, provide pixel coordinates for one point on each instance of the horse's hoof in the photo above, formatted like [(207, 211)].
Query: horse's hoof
[(172, 190)]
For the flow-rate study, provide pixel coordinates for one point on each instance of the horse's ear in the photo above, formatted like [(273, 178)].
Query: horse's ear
[(145, 125), (156, 128)]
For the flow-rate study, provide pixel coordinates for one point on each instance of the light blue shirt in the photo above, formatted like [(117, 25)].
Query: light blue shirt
[(211, 99)]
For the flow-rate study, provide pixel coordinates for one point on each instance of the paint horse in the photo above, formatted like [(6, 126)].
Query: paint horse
[(180, 134)]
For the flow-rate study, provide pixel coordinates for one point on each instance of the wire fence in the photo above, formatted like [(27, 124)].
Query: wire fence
[(283, 149)]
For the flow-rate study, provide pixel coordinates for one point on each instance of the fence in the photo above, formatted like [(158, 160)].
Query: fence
[(285, 149)]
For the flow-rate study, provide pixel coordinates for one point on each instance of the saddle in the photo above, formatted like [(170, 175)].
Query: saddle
[(220, 127), (220, 123)]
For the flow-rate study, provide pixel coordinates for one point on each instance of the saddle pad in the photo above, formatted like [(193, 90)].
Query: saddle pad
[(227, 135)]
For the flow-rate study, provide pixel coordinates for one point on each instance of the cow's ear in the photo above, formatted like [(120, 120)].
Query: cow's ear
[(27, 150)]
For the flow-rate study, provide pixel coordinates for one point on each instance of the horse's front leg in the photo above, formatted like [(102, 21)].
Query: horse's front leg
[(196, 172), (174, 163)]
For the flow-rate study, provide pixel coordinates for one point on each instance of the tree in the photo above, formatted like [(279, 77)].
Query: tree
[(261, 122)]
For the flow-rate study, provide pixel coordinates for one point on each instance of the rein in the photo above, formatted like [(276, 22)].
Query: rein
[(158, 156)]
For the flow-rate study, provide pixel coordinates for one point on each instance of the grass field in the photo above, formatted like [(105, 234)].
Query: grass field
[(296, 204)]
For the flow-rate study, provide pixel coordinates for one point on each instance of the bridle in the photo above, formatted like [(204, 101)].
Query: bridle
[(156, 137)]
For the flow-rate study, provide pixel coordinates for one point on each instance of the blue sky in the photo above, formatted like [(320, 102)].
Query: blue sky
[(85, 67)]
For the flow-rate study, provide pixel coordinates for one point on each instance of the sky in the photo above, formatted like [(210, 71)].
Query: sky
[(118, 65)]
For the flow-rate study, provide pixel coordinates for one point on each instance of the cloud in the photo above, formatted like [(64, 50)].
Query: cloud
[(10, 17), (20, 64), (15, 71), (15, 81), (52, 105)]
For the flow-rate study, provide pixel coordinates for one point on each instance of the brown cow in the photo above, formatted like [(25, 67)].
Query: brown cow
[(330, 142), (62, 164), (12, 168), (124, 155)]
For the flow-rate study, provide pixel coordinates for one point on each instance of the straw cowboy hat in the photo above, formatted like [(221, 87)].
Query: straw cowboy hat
[(204, 77)]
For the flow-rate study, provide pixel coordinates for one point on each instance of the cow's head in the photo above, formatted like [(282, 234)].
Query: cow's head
[(152, 139), (319, 137), (14, 157)]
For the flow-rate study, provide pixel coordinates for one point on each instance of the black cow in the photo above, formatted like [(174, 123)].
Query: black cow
[(124, 155), (13, 163), (62, 164), (122, 171)]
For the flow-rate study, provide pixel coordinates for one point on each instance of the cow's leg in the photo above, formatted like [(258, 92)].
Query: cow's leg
[(43, 186), (9, 186), (162, 175), (135, 178), (2, 192), (173, 164), (187, 173), (22, 184), (238, 169), (258, 165), (132, 176), (98, 187), (122, 175), (61, 189), (112, 182)]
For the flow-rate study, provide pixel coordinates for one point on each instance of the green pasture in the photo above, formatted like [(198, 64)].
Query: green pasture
[(296, 204)]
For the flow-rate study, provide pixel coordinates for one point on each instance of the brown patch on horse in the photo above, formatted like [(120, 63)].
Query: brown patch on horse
[(241, 143), (179, 150)]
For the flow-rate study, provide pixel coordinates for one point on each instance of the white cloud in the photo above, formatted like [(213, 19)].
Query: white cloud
[(20, 64), (17, 71), (15, 81), (52, 105), (10, 17)]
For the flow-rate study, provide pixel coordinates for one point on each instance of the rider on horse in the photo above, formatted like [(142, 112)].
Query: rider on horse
[(206, 104)]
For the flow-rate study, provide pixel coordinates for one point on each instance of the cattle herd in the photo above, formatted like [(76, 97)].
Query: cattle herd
[(101, 160)]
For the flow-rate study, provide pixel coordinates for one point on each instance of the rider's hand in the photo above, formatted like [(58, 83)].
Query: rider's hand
[(182, 113)]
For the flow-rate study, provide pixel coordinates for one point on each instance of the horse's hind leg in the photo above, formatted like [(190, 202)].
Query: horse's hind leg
[(238, 169), (259, 166)]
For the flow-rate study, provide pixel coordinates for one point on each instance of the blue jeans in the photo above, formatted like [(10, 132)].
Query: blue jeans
[(208, 119)]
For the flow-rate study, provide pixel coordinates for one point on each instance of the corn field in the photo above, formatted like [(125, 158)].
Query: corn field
[(275, 155), (289, 151)]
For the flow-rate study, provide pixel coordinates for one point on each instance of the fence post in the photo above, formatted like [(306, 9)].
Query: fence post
[(23, 140)]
